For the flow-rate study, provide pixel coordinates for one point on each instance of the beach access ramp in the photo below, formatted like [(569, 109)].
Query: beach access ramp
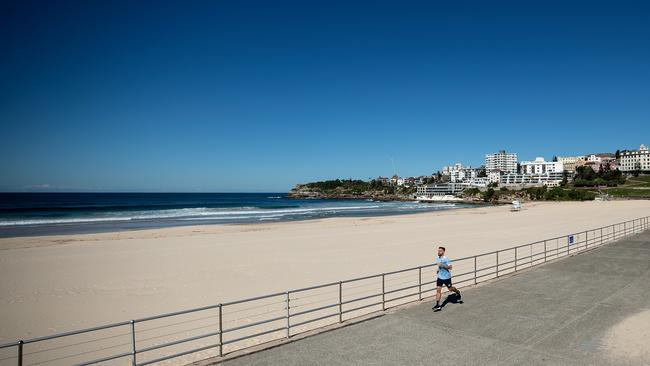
[(592, 308)]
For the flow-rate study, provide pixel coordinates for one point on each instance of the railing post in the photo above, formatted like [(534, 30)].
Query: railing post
[(567, 247), (288, 315), (383, 292), (601, 236), (624, 229), (220, 330), (544, 251), (531, 254), (419, 283), (133, 349), (515, 259), (475, 270), (20, 353), (340, 302), (497, 264)]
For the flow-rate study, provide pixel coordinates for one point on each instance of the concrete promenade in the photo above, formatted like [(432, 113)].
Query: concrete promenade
[(589, 309)]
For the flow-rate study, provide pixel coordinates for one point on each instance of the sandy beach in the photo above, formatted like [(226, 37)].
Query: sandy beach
[(58, 283)]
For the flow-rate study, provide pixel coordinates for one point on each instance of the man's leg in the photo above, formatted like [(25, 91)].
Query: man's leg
[(453, 289), (438, 296)]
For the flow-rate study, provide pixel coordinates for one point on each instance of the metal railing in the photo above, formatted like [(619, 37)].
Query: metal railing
[(220, 329)]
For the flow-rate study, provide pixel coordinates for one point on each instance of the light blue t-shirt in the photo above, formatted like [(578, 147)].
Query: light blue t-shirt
[(443, 273)]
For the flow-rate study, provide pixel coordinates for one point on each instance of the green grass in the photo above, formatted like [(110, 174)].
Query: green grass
[(628, 191), (638, 182)]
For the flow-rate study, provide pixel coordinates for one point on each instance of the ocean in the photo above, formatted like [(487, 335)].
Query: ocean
[(24, 214)]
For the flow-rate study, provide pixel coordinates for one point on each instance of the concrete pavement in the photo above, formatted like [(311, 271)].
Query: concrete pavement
[(562, 313)]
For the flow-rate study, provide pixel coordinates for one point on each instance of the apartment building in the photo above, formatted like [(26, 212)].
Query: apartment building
[(501, 161), (459, 173), (549, 179), (632, 160), (541, 166)]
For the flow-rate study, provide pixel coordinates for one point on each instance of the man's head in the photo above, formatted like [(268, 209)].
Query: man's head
[(441, 251)]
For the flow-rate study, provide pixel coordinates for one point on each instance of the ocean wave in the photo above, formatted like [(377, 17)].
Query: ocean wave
[(222, 214), (203, 213)]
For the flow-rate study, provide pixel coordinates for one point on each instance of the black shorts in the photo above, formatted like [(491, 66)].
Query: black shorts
[(440, 282)]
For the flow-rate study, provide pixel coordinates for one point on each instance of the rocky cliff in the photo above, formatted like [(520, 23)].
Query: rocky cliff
[(342, 192)]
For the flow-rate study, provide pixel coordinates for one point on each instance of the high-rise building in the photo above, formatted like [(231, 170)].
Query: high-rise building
[(501, 161)]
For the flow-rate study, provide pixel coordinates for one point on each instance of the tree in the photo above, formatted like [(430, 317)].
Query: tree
[(585, 173), (488, 195), (618, 154)]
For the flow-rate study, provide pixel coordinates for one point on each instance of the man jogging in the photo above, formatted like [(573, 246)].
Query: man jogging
[(444, 277)]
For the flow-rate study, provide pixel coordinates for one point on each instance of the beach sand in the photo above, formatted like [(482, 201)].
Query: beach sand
[(58, 283)]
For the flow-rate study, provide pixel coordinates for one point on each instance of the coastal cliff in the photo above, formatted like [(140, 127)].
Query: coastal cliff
[(351, 189)]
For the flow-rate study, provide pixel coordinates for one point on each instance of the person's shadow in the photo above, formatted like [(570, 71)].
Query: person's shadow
[(451, 298)]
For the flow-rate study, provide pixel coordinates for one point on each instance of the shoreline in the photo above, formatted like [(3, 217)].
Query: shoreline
[(208, 228), (82, 228)]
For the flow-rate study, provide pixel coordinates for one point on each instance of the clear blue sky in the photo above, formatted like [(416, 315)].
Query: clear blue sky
[(258, 96)]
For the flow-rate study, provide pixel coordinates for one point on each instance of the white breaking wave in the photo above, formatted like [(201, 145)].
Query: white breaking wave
[(225, 214), (202, 213)]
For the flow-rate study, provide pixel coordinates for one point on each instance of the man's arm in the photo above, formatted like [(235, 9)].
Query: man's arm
[(442, 265)]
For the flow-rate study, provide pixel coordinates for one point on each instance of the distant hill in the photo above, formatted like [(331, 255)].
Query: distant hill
[(352, 189)]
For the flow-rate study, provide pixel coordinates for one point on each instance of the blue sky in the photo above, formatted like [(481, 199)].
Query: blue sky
[(258, 96)]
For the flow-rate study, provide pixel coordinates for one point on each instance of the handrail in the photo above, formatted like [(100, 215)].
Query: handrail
[(495, 267)]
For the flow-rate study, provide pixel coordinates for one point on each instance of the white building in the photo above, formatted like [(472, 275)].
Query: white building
[(479, 182), (494, 177), (540, 166), (593, 158), (501, 161), (459, 173), (632, 160), (549, 179), (431, 190)]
